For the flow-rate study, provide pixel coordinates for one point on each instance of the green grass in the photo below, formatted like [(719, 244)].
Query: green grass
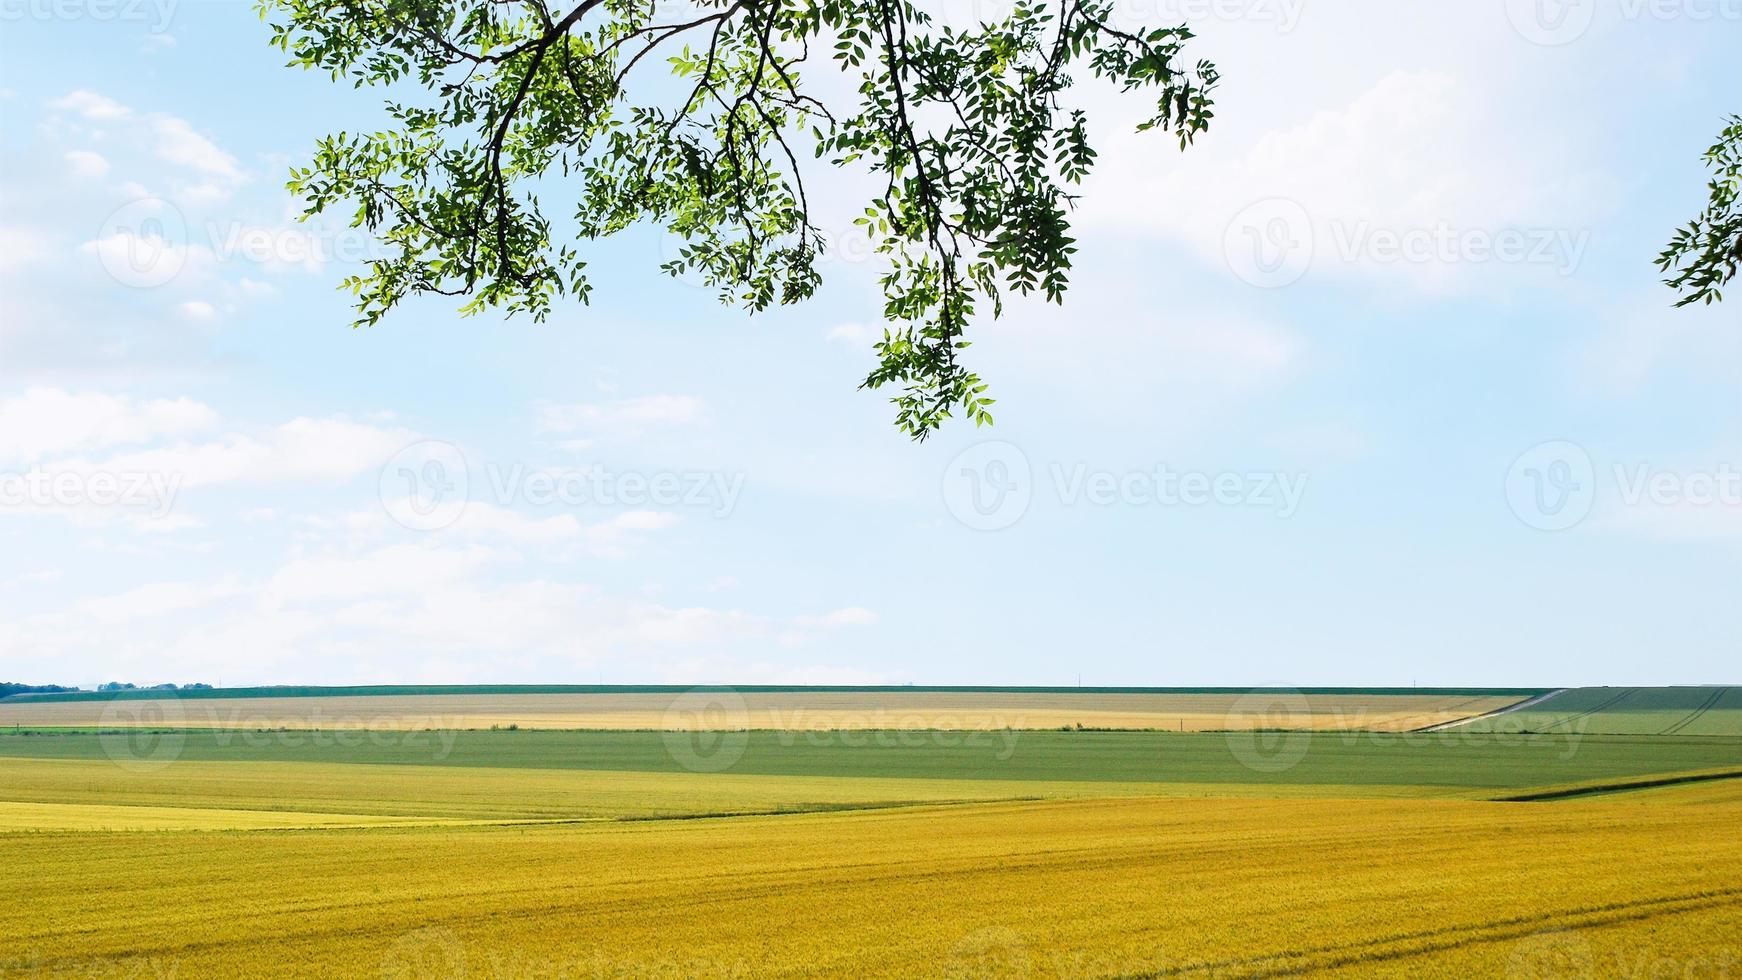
[(1636, 711), (301, 691), (1447, 760)]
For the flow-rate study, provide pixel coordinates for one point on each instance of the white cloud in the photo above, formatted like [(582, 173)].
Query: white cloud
[(401, 569), (44, 576), (91, 105), (848, 616), (854, 334), (623, 415), (1413, 158), (714, 670), (49, 421), (20, 247), (176, 142), (198, 309), (84, 163), (612, 537), (331, 450), (158, 599), (488, 520), (148, 257)]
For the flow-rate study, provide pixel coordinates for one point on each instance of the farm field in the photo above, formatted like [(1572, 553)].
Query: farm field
[(402, 852), (1632, 711), (766, 709), (1208, 887), (1444, 763)]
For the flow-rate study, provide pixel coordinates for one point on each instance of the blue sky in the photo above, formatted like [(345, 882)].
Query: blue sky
[(1375, 385)]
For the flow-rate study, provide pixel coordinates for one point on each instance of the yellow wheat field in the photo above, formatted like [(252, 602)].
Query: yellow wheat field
[(1132, 887), (33, 816), (777, 710)]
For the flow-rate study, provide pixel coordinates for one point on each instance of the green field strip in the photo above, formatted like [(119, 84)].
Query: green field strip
[(1599, 708), (1704, 711), (1717, 695), (1437, 762)]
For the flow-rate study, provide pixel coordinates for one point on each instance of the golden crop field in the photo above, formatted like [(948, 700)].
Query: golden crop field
[(1125, 887), (566, 854), (777, 710), (33, 816)]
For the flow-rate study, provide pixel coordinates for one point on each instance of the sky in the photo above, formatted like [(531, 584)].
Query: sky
[(1374, 385)]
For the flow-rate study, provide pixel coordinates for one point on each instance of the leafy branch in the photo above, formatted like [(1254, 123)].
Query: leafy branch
[(963, 127), (1704, 256)]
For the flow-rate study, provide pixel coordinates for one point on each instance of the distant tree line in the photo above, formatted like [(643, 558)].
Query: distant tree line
[(9, 688)]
